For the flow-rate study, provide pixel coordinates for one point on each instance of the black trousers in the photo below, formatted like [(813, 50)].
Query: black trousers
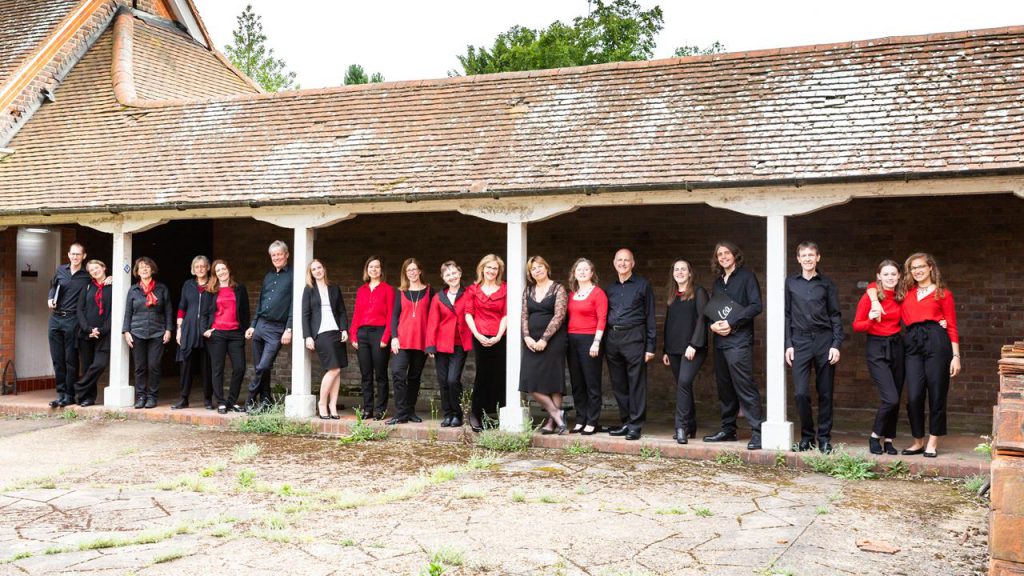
[(885, 364), (146, 354), (224, 344), (62, 333), (489, 385), (585, 378), (266, 343), (96, 356), (810, 350), (734, 377), (373, 367), (197, 355), (406, 369), (449, 380), (685, 372), (928, 355), (624, 350)]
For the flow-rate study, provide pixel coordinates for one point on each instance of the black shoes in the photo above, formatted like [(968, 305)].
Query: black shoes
[(890, 449), (576, 429), (755, 442), (236, 408), (874, 446), (825, 447), (208, 405), (179, 405), (378, 416), (915, 452), (633, 434), (456, 422), (447, 422), (140, 403), (680, 436), (395, 420), (222, 409), (805, 445), (86, 403), (619, 431), (151, 403), (415, 418), (721, 436), (934, 454), (54, 403), (593, 430)]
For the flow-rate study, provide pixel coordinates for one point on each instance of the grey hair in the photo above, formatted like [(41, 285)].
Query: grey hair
[(197, 259), (278, 245)]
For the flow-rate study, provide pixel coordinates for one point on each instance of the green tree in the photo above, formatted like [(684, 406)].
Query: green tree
[(716, 47), (250, 54), (356, 75), (614, 31)]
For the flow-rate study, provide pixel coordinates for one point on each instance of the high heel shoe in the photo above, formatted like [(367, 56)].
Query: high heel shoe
[(322, 413), (561, 430)]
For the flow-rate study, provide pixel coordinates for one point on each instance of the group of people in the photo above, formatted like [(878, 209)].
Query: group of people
[(580, 325)]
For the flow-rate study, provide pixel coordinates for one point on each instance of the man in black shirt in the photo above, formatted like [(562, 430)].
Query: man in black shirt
[(65, 289), (814, 332), (629, 343), (734, 346), (271, 325)]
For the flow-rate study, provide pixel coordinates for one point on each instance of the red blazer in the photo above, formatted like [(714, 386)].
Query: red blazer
[(447, 326)]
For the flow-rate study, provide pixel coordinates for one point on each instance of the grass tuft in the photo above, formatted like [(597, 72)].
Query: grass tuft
[(731, 459), (842, 464), (272, 421), (447, 556), (650, 452), (168, 557), (578, 448), (501, 441), (703, 512), (363, 432), (246, 452)]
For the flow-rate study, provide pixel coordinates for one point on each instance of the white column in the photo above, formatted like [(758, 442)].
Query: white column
[(300, 403), (513, 415), (119, 393), (776, 431)]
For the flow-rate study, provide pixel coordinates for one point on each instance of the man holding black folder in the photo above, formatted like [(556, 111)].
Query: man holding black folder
[(814, 332), (735, 302), (67, 286)]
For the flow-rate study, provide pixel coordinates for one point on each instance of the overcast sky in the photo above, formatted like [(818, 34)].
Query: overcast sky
[(416, 39)]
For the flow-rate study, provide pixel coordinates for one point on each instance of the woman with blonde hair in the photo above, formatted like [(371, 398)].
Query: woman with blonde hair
[(224, 330), (193, 305), (325, 330), (542, 375), (486, 310), (408, 341), (588, 315)]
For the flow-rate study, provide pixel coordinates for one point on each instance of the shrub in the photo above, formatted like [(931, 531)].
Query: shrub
[(502, 441), (272, 421), (841, 464), (363, 432)]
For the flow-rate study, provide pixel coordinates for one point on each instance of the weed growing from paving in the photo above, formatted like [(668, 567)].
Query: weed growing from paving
[(246, 452), (168, 557), (578, 448), (897, 469), (842, 464), (363, 432), (650, 452), (703, 512), (272, 421), (729, 459)]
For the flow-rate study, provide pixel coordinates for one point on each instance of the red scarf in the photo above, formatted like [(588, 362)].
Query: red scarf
[(148, 291), (99, 295)]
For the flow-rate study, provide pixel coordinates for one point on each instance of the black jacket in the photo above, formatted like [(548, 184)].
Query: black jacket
[(194, 305), (144, 321), (685, 323), (311, 310), (89, 314), (241, 309)]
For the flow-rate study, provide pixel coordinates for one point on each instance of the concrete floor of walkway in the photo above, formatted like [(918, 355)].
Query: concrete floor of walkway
[(957, 455)]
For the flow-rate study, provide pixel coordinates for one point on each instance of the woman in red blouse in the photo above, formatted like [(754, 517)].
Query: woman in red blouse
[(371, 324), (224, 330), (408, 341), (486, 312), (588, 312), (449, 340), (884, 353), (932, 352)]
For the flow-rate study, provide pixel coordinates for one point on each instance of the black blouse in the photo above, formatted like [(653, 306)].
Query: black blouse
[(685, 323)]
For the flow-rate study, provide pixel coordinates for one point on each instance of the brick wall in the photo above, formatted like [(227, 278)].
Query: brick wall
[(8, 292), (973, 239)]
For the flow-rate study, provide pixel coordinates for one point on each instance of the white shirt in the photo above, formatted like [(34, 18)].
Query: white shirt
[(327, 322)]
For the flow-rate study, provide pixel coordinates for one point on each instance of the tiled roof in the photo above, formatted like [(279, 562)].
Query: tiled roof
[(25, 23), (887, 109)]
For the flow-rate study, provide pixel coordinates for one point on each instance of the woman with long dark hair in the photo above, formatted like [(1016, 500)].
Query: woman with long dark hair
[(371, 327), (224, 330), (325, 329), (685, 342), (542, 376), (884, 353)]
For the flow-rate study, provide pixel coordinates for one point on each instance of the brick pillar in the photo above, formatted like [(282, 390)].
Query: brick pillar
[(8, 291), (1006, 518)]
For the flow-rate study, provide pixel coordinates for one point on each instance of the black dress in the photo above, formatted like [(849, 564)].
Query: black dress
[(544, 371)]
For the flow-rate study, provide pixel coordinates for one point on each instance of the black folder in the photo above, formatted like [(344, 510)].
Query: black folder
[(721, 307)]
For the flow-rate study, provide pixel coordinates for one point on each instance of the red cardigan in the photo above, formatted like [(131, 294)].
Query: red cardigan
[(487, 311), (931, 308), (373, 308), (409, 320), (889, 323), (447, 326)]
